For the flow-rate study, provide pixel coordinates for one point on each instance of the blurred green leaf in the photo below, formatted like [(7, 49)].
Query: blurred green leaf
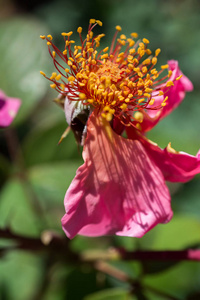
[(66, 12), (41, 145), (84, 281), (110, 294), (23, 55), (179, 233), (20, 275), (177, 281), (186, 201), (50, 183), (17, 210), (82, 243)]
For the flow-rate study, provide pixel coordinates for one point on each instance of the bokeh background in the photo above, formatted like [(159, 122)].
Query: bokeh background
[(35, 171)]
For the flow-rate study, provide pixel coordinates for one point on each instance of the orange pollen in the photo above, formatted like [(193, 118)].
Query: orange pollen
[(119, 80)]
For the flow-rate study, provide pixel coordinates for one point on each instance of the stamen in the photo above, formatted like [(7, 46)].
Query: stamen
[(145, 41), (169, 83), (67, 34), (138, 116), (163, 67), (79, 29), (50, 36), (118, 80), (118, 28), (41, 72)]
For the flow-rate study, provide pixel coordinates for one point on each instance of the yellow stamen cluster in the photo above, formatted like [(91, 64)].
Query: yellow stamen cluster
[(118, 81)]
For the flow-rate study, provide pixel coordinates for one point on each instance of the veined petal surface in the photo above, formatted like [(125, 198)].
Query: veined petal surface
[(118, 189)]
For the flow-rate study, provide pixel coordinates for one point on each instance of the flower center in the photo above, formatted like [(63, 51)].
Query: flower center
[(105, 85), (119, 83)]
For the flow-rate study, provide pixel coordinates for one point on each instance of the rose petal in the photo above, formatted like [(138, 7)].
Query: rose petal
[(175, 95), (118, 190), (8, 109), (175, 166)]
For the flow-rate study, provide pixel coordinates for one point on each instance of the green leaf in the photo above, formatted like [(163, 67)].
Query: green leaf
[(180, 232), (177, 281), (22, 57), (50, 183), (20, 275), (84, 281), (186, 200), (41, 145), (110, 294), (17, 209)]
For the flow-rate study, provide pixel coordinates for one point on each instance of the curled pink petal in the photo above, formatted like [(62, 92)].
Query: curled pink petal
[(175, 95), (175, 166), (8, 109), (118, 189)]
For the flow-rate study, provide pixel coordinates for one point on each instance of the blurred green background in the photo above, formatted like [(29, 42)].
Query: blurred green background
[(35, 171)]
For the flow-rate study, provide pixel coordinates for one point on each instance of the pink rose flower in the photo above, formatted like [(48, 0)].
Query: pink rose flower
[(120, 189), (8, 109)]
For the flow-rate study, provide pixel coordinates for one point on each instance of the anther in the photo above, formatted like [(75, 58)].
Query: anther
[(92, 21), (122, 37), (42, 73), (177, 78), (67, 33), (118, 28), (105, 49), (82, 96), (58, 77), (157, 52), (50, 37), (163, 67), (123, 106), (138, 116), (141, 100), (151, 102), (138, 126), (170, 73), (148, 51), (145, 41), (169, 83), (79, 29), (134, 35), (99, 22), (146, 61), (71, 78), (147, 95), (154, 60)]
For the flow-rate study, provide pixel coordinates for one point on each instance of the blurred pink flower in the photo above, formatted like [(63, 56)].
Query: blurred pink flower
[(8, 109), (120, 189)]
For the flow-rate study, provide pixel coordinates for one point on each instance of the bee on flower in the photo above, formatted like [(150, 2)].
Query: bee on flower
[(120, 189)]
